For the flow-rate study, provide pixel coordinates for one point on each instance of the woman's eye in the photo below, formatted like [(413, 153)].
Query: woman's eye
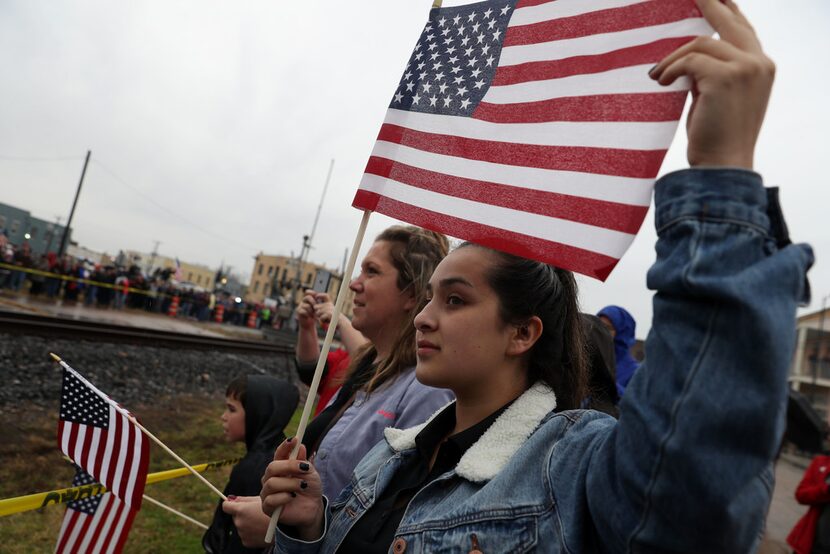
[(454, 300)]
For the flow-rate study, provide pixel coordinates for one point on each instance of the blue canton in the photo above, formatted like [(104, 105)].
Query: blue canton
[(80, 404), (89, 504), (455, 59)]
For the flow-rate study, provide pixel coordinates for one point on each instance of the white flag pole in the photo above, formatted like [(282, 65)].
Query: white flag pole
[(174, 511), (321, 361)]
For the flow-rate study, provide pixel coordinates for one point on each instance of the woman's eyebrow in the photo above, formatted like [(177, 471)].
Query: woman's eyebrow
[(449, 281)]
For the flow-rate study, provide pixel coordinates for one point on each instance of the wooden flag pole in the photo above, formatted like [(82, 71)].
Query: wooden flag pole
[(178, 513), (178, 459), (321, 361), (156, 440)]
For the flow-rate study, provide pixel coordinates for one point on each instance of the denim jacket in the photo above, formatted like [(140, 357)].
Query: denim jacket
[(688, 466)]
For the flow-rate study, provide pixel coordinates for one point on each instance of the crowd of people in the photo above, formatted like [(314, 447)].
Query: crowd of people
[(117, 287)]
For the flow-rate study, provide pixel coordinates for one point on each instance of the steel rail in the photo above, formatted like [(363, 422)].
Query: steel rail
[(61, 328)]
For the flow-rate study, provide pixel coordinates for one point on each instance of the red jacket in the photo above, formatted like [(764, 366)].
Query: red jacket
[(815, 492)]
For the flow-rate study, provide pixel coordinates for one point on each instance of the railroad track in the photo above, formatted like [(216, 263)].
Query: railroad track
[(60, 328)]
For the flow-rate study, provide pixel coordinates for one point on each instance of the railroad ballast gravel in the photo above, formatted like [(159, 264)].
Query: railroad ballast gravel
[(129, 374)]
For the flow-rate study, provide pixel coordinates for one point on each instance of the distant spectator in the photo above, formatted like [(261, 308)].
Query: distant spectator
[(602, 387), (622, 327), (317, 308), (23, 259), (811, 535)]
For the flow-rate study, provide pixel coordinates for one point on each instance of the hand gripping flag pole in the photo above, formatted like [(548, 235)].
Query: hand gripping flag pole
[(321, 361), (135, 422)]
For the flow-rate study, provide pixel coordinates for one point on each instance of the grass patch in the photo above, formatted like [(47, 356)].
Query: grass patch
[(31, 462)]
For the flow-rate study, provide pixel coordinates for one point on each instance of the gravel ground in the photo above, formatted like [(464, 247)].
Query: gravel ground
[(129, 374)]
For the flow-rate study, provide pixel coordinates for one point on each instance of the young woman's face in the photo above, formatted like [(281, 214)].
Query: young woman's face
[(460, 336), (233, 420), (378, 303)]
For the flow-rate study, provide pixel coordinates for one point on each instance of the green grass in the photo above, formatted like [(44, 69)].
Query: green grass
[(30, 462)]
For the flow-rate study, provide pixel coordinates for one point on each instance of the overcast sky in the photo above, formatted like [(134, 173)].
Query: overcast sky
[(212, 124)]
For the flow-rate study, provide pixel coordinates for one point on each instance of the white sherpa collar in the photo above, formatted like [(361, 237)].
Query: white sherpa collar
[(484, 459)]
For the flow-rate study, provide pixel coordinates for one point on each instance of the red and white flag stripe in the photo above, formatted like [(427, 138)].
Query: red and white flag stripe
[(105, 531), (558, 160)]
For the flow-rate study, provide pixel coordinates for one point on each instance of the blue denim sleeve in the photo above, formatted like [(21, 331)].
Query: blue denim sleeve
[(688, 468), (287, 544)]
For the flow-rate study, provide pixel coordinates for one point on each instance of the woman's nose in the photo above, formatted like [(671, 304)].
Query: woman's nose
[(423, 321)]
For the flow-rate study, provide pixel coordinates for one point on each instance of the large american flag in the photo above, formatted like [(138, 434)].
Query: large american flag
[(97, 434), (95, 524), (532, 126)]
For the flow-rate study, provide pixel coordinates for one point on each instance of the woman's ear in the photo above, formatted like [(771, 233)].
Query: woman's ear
[(411, 301), (524, 336)]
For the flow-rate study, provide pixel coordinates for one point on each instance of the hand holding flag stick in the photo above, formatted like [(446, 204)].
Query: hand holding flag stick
[(321, 361)]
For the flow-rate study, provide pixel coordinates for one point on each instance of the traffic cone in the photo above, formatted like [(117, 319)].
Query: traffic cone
[(174, 307), (219, 314)]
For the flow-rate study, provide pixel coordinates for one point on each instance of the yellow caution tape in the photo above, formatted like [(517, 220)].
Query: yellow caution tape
[(77, 279), (42, 499)]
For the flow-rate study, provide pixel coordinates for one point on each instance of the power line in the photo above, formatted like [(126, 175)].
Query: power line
[(165, 208), (39, 159)]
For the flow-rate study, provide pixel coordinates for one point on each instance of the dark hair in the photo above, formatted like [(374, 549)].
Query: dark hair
[(237, 388), (415, 253), (528, 288)]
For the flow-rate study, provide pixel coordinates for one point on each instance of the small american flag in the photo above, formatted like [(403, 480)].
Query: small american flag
[(532, 126), (97, 434), (95, 524)]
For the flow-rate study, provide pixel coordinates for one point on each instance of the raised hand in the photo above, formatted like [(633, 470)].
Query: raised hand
[(732, 81)]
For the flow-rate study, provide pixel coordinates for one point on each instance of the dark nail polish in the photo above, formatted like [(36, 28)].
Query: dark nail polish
[(231, 497), (289, 439), (303, 484), (304, 466), (293, 494)]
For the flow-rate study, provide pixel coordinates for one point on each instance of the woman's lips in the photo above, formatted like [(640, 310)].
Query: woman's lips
[(425, 347)]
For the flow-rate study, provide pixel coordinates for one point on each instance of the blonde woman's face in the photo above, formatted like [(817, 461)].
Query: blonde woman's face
[(378, 303)]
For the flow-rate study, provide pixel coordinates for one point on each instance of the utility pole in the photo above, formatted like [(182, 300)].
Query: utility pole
[(307, 240), (62, 248), (153, 255)]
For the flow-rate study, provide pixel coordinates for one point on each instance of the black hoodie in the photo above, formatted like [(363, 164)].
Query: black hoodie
[(269, 405)]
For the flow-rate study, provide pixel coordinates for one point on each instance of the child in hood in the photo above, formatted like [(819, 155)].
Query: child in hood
[(257, 409)]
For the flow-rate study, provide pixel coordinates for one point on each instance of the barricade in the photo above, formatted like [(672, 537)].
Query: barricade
[(219, 316), (252, 319)]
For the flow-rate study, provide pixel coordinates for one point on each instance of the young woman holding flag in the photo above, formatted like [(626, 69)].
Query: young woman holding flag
[(512, 465)]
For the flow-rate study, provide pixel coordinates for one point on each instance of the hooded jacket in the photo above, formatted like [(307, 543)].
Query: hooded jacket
[(269, 405), (624, 326)]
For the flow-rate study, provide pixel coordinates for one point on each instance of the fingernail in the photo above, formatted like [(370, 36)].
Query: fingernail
[(304, 466), (303, 484), (289, 439), (231, 497), (650, 71), (293, 494)]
